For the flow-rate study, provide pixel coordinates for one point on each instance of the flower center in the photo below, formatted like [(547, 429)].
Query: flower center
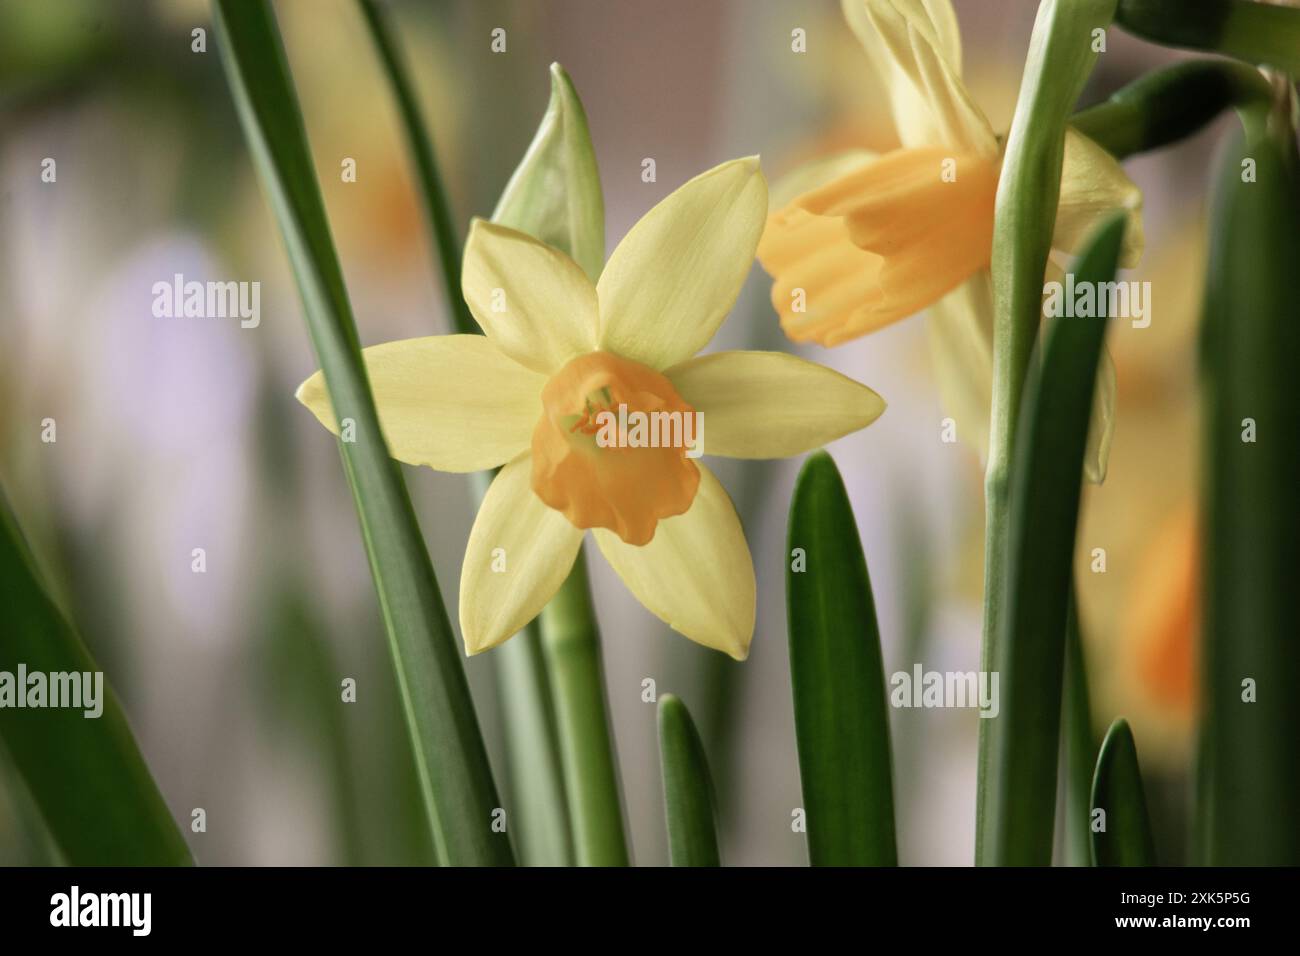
[(610, 450)]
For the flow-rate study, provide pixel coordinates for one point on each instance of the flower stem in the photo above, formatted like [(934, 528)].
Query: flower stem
[(571, 647), (1057, 67)]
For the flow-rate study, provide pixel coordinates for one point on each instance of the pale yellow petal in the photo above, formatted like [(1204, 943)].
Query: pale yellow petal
[(771, 404), (1101, 429), (696, 573), (960, 328), (452, 402), (534, 302), (1092, 185), (676, 274), (519, 553), (913, 118), (916, 49)]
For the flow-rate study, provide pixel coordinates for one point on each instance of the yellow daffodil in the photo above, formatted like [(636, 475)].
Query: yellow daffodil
[(559, 351), (858, 241)]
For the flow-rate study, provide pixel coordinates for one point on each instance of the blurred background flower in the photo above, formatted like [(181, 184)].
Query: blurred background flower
[(183, 434)]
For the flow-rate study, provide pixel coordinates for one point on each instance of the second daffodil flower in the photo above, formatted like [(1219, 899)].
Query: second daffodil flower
[(559, 351), (859, 241)]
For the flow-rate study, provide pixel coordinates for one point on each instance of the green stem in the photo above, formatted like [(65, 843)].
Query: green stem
[(1168, 105), (571, 646), (1257, 32), (1057, 67), (436, 206)]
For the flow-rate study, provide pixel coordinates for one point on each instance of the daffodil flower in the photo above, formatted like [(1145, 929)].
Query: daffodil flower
[(559, 351), (859, 241)]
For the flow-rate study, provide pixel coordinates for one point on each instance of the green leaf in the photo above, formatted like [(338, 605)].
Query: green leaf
[(1059, 62), (554, 194), (688, 788), (1249, 786), (1117, 790), (1079, 747), (437, 208), (85, 774), (1045, 483), (838, 677), (1257, 32), (460, 795)]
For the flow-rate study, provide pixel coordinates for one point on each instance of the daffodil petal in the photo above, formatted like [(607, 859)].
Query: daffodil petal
[(771, 404), (914, 43), (1101, 429), (671, 281), (696, 573), (452, 402), (519, 553), (960, 328), (534, 302), (913, 118), (1093, 184)]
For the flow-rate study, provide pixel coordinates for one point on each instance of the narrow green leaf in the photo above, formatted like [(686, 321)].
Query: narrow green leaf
[(1045, 483), (1258, 32), (1079, 746), (554, 194), (1168, 105), (1117, 790), (437, 208), (1249, 782), (688, 788), (1060, 59), (838, 677), (85, 774), (459, 792)]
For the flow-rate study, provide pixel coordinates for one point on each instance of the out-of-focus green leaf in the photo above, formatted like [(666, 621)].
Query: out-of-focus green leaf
[(460, 795), (85, 774), (838, 677), (1249, 774), (555, 195), (1117, 790), (436, 205), (1060, 60), (1045, 483), (688, 788), (1252, 30)]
